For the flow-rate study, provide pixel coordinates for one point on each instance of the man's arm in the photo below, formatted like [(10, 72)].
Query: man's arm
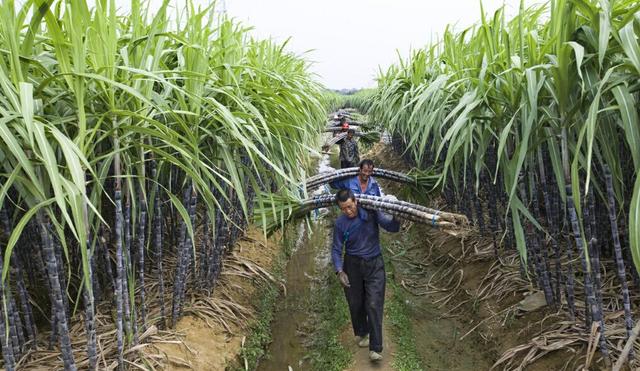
[(336, 248), (340, 184), (376, 189), (387, 222), (356, 155)]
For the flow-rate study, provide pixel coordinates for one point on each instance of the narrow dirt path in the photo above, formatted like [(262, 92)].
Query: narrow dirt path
[(361, 360)]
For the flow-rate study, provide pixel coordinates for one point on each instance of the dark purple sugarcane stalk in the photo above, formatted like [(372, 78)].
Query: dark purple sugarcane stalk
[(56, 292), (624, 244), (470, 196), (541, 250), (97, 286), (478, 206), (183, 261), (235, 217), (30, 265), (570, 279), (5, 340), (205, 252), (88, 293), (106, 256), (189, 246), (128, 326), (25, 304), (588, 285), (594, 249), (620, 268), (15, 325), (590, 230), (461, 192), (53, 337), (120, 272), (17, 272), (177, 284), (141, 252), (62, 271), (551, 225), (493, 202), (213, 264), (533, 246), (157, 242), (90, 326)]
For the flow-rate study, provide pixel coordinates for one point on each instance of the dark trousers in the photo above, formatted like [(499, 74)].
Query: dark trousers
[(345, 164), (366, 297)]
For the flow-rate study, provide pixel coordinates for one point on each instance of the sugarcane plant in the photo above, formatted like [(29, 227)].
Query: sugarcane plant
[(121, 134), (524, 116)]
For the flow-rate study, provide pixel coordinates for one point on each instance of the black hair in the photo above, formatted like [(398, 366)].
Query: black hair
[(343, 195), (366, 162), (343, 119)]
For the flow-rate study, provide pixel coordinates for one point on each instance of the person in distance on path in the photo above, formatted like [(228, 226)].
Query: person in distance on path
[(349, 156), (361, 272)]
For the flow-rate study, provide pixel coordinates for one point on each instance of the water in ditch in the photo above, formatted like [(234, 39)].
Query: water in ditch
[(309, 259)]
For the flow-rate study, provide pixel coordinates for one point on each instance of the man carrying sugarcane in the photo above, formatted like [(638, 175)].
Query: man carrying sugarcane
[(362, 273), (349, 155), (363, 183)]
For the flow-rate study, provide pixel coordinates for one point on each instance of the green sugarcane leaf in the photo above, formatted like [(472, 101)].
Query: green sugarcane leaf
[(605, 31), (629, 43), (184, 214), (520, 239), (634, 224), (8, 183), (631, 124)]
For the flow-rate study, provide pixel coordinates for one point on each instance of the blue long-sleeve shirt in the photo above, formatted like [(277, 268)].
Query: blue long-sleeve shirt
[(353, 183), (360, 236)]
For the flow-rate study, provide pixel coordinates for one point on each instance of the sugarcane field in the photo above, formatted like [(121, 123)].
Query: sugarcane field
[(338, 185)]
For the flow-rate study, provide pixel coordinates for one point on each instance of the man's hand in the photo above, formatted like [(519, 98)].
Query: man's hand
[(344, 279)]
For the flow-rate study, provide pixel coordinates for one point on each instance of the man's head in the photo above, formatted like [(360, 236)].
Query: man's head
[(350, 133), (347, 203), (345, 126), (366, 169)]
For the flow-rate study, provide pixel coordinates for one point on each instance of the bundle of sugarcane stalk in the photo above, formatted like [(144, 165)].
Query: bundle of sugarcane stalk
[(452, 223), (337, 128), (339, 137), (328, 177), (336, 125), (368, 137)]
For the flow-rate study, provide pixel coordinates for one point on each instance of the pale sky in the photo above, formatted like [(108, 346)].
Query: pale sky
[(350, 39)]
